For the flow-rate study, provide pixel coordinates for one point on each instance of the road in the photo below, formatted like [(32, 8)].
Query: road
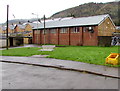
[(21, 76)]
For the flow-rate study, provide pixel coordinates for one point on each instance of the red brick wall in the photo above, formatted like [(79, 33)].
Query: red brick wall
[(49, 38), (64, 38), (76, 38), (90, 39), (36, 37), (54, 37), (84, 38), (44, 38)]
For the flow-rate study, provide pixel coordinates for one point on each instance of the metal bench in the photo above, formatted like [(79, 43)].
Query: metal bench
[(47, 47)]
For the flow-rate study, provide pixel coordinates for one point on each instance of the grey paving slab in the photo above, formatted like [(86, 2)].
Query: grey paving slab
[(111, 71)]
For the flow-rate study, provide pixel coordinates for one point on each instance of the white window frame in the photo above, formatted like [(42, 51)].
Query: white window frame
[(53, 31), (64, 30), (75, 30), (46, 31)]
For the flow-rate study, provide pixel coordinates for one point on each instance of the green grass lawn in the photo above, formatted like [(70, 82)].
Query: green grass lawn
[(28, 51), (92, 55)]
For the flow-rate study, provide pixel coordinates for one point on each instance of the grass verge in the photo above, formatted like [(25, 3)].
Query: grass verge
[(92, 55), (27, 51)]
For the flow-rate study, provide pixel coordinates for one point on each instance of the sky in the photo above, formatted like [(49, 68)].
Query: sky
[(23, 9)]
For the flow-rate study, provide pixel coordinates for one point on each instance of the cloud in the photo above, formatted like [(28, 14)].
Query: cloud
[(24, 8)]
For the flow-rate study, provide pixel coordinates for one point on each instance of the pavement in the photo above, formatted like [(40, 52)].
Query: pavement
[(26, 45), (40, 60)]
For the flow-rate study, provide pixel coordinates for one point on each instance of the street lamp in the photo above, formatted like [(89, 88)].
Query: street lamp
[(44, 30), (37, 26), (7, 26)]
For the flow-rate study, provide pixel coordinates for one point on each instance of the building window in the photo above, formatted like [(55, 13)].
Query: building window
[(45, 31), (52, 30), (89, 29), (36, 31), (75, 30), (85, 29), (63, 30)]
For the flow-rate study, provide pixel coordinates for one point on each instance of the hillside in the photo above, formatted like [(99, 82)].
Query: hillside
[(87, 9), (90, 9)]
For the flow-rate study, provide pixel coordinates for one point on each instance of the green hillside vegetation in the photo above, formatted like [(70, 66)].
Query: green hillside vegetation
[(90, 9)]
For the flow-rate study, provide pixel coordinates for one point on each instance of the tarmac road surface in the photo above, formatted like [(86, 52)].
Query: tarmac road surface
[(21, 76)]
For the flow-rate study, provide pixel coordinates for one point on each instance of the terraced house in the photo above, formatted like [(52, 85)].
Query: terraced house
[(16, 32)]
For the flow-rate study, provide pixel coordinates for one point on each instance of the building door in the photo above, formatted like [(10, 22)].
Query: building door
[(30, 41), (11, 41)]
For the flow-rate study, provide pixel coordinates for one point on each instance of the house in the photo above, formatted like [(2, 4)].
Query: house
[(19, 28), (23, 31), (4, 28), (12, 28), (28, 27), (28, 33), (18, 34), (83, 31)]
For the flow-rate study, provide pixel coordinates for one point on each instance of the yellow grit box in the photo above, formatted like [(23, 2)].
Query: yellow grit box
[(113, 58)]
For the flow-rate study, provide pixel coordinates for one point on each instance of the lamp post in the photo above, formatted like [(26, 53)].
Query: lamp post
[(44, 29), (7, 27), (37, 26)]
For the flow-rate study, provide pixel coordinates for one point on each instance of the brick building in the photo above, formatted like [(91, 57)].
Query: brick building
[(83, 31)]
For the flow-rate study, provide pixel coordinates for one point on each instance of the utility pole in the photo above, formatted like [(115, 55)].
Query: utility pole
[(37, 28), (37, 31), (7, 27), (44, 29)]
